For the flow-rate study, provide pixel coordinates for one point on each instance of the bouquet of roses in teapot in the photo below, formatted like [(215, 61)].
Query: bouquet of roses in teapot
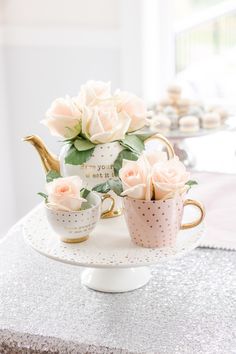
[(98, 130)]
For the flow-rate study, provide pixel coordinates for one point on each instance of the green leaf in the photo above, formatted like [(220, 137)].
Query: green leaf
[(112, 184), (102, 187), (133, 143), (51, 175), (124, 154), (83, 145), (116, 186), (45, 196), (191, 183), (75, 157), (71, 133), (144, 136), (84, 193)]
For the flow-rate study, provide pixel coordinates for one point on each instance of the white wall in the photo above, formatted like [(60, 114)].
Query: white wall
[(84, 13), (50, 48), (7, 204)]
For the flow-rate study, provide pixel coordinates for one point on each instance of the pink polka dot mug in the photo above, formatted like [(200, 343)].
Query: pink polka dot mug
[(156, 223)]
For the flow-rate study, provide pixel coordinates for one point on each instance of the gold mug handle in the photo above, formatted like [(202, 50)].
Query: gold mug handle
[(110, 211), (200, 218), (164, 141)]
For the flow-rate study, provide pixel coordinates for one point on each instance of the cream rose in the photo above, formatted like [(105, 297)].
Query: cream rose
[(136, 179), (94, 91), (169, 177), (63, 118), (134, 107), (102, 124), (64, 193)]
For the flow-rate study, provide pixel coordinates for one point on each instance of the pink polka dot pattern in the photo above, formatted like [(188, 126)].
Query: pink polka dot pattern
[(153, 224)]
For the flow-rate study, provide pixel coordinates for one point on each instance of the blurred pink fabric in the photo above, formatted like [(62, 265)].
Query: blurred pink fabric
[(217, 191)]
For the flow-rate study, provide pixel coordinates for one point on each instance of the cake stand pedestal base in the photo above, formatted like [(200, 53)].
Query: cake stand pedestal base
[(115, 280)]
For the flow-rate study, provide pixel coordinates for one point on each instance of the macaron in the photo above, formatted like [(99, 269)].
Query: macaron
[(184, 106), (189, 124), (211, 120), (161, 123), (221, 111), (174, 93)]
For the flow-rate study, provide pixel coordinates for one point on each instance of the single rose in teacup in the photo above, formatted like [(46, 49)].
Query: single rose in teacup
[(63, 118), (94, 91), (64, 193), (134, 107), (169, 177), (102, 124), (136, 179)]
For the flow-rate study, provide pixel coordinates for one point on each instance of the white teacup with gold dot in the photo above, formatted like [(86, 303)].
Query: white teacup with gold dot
[(76, 226)]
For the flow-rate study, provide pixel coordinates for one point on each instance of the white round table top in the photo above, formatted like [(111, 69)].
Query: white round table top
[(109, 245)]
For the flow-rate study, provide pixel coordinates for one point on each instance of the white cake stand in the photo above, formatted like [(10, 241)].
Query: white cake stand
[(113, 263), (178, 138)]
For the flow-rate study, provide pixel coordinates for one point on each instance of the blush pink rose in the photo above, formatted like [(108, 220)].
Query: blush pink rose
[(169, 177), (94, 91), (63, 118), (102, 124), (64, 193), (136, 179), (134, 107)]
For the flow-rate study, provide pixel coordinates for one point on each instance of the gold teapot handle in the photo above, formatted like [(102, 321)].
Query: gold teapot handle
[(200, 218), (164, 141), (109, 213)]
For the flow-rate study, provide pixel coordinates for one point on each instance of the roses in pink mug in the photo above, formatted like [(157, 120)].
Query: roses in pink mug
[(152, 176), (154, 191)]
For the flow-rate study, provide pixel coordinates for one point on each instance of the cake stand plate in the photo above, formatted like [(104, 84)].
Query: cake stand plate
[(113, 263), (178, 140)]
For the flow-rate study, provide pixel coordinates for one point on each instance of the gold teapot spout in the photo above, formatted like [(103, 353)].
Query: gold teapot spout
[(49, 160)]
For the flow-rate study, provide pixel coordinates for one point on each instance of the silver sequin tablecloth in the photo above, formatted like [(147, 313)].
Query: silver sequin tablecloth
[(189, 306)]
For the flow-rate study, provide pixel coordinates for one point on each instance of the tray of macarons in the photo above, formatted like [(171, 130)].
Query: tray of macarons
[(177, 117)]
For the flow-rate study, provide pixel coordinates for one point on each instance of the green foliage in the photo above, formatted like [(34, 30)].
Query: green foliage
[(51, 175), (133, 143), (124, 154), (112, 184), (75, 157), (45, 196), (73, 132), (144, 136), (191, 183), (83, 144), (102, 187), (116, 186), (84, 193)]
